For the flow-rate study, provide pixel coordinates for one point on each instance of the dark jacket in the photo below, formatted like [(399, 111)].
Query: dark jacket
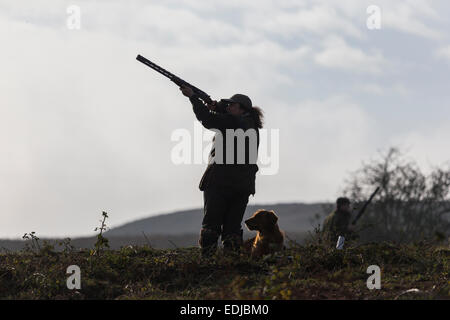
[(336, 224), (220, 173)]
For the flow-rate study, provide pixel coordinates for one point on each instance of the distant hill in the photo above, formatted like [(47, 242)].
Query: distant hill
[(293, 217), (181, 228)]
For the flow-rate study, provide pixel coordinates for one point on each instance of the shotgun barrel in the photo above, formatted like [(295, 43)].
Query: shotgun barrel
[(177, 80), (366, 204)]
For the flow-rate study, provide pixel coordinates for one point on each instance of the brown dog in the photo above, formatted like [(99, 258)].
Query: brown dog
[(269, 238)]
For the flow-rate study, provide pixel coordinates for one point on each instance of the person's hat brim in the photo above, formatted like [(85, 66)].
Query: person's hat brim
[(229, 100), (241, 103)]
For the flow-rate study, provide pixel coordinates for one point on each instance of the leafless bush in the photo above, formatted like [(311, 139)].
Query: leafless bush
[(410, 205)]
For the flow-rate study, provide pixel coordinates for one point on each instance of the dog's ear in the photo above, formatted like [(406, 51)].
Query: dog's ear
[(272, 217), (259, 211)]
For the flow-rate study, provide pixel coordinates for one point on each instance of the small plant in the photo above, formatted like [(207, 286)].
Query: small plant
[(66, 243), (316, 237), (47, 248), (102, 242), (34, 241)]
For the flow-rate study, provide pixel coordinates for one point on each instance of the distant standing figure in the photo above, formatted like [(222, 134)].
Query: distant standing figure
[(227, 186), (337, 223)]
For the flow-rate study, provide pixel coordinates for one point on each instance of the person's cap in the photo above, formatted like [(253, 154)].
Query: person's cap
[(242, 99), (342, 201)]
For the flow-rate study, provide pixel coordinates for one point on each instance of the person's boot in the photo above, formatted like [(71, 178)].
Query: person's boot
[(208, 242), (232, 243)]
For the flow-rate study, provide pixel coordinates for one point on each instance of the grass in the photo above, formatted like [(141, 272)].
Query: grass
[(310, 271)]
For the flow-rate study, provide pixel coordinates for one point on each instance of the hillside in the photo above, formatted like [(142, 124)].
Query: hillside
[(312, 271)]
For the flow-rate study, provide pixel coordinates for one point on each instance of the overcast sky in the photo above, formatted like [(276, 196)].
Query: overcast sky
[(84, 127)]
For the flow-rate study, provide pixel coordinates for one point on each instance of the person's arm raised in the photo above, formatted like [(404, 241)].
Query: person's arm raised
[(206, 114)]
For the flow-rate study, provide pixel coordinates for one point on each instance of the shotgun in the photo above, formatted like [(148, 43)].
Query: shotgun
[(177, 80), (360, 213)]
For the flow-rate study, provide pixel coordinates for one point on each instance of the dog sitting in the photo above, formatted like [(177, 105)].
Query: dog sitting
[(269, 238)]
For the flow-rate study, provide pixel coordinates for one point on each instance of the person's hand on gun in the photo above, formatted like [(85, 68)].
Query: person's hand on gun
[(188, 92)]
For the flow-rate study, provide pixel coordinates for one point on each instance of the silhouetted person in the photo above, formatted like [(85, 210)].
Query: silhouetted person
[(337, 223), (227, 185)]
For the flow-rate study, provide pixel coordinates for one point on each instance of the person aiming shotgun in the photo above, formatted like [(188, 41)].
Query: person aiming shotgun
[(227, 185)]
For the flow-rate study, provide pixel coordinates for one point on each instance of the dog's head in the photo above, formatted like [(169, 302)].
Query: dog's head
[(262, 220)]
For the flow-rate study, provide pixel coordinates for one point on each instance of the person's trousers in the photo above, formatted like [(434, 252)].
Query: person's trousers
[(223, 213)]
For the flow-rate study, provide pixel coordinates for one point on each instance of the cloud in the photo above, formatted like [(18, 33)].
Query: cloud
[(443, 53), (338, 54), (321, 141), (409, 16), (428, 147), (376, 89), (317, 19), (371, 88)]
